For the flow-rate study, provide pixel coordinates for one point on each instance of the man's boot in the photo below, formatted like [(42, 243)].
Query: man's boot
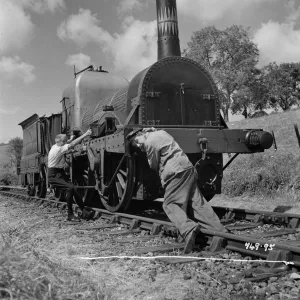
[(87, 213), (72, 218), (190, 240)]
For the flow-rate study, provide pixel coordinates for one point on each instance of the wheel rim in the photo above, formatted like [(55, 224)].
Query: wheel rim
[(82, 181), (85, 179), (121, 190), (41, 188)]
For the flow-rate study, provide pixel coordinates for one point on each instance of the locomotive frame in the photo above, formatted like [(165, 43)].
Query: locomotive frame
[(175, 94)]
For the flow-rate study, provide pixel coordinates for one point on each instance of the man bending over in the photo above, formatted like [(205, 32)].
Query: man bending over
[(56, 174), (183, 201)]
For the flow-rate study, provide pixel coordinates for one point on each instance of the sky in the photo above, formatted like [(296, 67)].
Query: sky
[(41, 40)]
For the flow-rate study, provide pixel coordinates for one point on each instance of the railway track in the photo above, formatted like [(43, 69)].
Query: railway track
[(270, 236)]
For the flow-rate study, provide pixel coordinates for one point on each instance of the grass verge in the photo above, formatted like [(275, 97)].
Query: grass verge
[(271, 173)]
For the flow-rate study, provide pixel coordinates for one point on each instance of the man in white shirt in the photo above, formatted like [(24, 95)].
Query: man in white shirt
[(56, 175), (183, 201)]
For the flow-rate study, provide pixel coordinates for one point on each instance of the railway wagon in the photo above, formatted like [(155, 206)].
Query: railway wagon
[(175, 94)]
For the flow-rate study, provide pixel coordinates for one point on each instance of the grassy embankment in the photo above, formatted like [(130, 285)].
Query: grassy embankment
[(272, 177), (4, 158), (7, 171)]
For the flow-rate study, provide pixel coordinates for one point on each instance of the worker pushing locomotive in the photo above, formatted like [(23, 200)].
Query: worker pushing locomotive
[(182, 199), (175, 94)]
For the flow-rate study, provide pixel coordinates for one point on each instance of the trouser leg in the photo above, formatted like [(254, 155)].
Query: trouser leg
[(199, 209), (177, 193), (78, 199), (59, 181), (69, 200)]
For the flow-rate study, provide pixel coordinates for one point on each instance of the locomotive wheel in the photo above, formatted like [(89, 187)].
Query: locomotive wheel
[(41, 188), (86, 179), (121, 189)]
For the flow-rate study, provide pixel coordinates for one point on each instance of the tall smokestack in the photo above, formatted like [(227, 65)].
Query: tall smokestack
[(167, 29)]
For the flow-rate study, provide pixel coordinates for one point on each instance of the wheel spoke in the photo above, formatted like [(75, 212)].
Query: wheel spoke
[(119, 190), (121, 180), (123, 172)]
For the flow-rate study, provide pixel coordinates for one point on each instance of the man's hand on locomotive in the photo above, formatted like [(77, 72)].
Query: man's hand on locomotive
[(89, 132)]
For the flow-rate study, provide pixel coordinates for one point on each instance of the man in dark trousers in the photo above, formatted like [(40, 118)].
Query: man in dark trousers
[(183, 201), (57, 177)]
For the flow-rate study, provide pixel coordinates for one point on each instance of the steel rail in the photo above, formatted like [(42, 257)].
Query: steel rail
[(216, 240), (227, 215)]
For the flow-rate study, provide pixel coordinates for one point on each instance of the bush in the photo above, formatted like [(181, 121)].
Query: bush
[(8, 178), (262, 174)]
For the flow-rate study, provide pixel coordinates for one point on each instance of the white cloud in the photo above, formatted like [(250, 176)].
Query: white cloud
[(83, 28), (131, 50), (15, 68), (80, 61), (278, 42), (211, 10), (16, 27), (135, 48), (55, 4), (293, 11), (127, 6), (41, 6)]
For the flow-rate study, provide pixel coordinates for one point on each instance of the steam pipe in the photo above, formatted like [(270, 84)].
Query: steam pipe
[(167, 29)]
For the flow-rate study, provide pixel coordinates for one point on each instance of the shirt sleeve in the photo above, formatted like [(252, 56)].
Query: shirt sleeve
[(153, 157), (64, 148)]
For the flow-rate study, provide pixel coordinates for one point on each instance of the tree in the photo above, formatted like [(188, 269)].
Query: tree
[(229, 55), (283, 83), (252, 95), (14, 151)]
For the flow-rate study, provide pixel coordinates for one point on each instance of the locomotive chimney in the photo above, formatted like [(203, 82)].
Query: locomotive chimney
[(167, 29)]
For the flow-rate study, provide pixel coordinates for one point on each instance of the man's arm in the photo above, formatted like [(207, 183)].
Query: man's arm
[(153, 158), (71, 139), (79, 139)]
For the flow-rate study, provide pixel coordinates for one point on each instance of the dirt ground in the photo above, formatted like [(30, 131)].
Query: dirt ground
[(41, 258)]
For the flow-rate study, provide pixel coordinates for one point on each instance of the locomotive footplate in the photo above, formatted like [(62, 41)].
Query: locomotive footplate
[(222, 140)]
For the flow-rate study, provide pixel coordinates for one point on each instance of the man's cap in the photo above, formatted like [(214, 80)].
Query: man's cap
[(144, 130), (133, 133)]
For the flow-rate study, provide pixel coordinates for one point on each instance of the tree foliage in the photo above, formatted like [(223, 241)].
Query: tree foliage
[(15, 150), (283, 83), (229, 55), (252, 95)]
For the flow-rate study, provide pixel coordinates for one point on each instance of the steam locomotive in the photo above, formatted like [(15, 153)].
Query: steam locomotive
[(175, 94)]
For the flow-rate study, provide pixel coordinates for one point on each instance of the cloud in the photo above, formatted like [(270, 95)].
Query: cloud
[(11, 111), (80, 61), (15, 68), (211, 10), (128, 6), (135, 48), (83, 28), (16, 27), (131, 50), (293, 11), (278, 42), (41, 6), (52, 5)]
